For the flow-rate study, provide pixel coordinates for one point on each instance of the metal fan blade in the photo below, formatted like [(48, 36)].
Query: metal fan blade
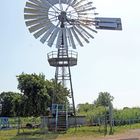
[(59, 39), (84, 6), (50, 4), (34, 16), (73, 2), (64, 38), (87, 33), (47, 34), (35, 11), (89, 28), (76, 36), (84, 15), (38, 13), (60, 5), (31, 22), (36, 7), (39, 3), (41, 32), (76, 4), (80, 33), (88, 9), (46, 3), (36, 2), (37, 21), (31, 5), (53, 36), (71, 38), (87, 21), (69, 3), (29, 10), (64, 1), (36, 27)]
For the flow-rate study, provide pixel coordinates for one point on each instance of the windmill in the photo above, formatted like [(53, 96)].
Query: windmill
[(65, 24)]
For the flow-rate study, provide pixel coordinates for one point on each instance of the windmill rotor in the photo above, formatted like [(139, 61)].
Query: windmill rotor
[(49, 20)]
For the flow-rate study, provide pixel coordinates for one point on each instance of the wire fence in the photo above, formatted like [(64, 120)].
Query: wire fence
[(115, 122), (11, 127), (37, 126)]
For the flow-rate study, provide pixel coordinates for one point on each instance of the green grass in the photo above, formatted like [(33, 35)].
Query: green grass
[(7, 134), (28, 134), (36, 134), (80, 131)]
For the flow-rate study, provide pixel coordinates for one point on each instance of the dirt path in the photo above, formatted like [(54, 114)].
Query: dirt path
[(130, 135)]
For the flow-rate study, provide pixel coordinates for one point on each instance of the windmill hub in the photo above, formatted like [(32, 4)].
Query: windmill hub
[(62, 17)]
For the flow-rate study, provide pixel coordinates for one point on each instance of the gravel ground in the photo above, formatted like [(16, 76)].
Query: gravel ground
[(130, 135)]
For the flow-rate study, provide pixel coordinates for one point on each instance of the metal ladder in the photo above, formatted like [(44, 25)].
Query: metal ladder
[(61, 117)]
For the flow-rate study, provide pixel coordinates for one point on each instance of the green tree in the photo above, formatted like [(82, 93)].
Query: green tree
[(11, 103), (91, 111), (59, 94), (104, 99), (85, 108), (34, 89), (38, 93)]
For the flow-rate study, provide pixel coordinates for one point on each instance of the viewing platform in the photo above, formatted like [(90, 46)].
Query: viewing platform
[(62, 58)]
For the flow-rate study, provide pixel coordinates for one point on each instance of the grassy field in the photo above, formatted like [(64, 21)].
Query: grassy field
[(36, 134)]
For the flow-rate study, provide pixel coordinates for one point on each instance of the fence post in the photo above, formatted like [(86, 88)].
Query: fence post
[(18, 125)]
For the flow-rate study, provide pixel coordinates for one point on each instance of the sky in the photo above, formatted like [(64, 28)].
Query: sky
[(109, 63)]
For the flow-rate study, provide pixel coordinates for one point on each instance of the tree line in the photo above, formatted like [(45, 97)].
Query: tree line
[(96, 111), (37, 93), (35, 97)]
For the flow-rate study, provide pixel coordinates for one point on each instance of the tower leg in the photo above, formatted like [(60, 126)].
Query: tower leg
[(72, 95)]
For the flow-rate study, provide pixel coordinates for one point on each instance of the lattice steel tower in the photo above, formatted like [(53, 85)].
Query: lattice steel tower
[(63, 59)]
